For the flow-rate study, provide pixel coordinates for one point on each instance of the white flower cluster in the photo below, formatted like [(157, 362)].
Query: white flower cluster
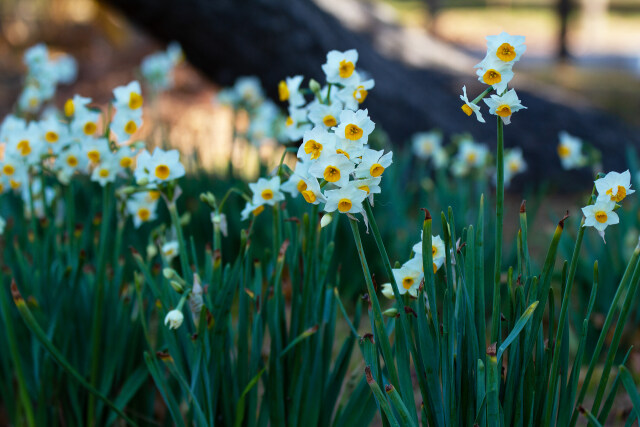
[(496, 70), (410, 274), (43, 75), (612, 189), (335, 165), (570, 151), (157, 68)]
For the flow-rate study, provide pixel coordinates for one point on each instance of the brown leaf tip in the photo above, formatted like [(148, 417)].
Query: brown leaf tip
[(388, 388), (523, 207), (564, 218), (15, 293), (427, 214), (367, 373), (491, 350), (410, 310)]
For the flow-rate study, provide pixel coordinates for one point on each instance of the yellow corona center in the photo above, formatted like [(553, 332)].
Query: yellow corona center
[(135, 100), (471, 157), (467, 110), (563, 151), (352, 132), (69, 108), (72, 160), (313, 147), (144, 214), (376, 170), (267, 194), (601, 217), (360, 94), (126, 162), (435, 267), (14, 184), (33, 103), (434, 250), (8, 170), (331, 174), (301, 186), (503, 110), (130, 127), (89, 128), (514, 166), (309, 196), (506, 52), (283, 91), (492, 77), (619, 196), (94, 156), (344, 205), (24, 147), (51, 137), (289, 121), (162, 171), (407, 283), (329, 121), (364, 188), (344, 153), (346, 68), (103, 173), (257, 211), (154, 195)]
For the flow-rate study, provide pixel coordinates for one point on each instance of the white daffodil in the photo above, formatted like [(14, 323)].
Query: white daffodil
[(54, 133), (494, 72), (470, 155), (14, 173), (170, 250), (437, 251), (125, 156), (355, 126), (570, 151), (157, 70), (351, 150), (249, 90), (469, 107), (296, 182), (65, 69), (296, 123), (128, 97), (424, 144), (504, 105), (440, 158), (505, 47), (71, 160), (600, 215), (126, 123), (142, 208), (325, 116), (30, 99), (408, 278), (162, 166), (313, 193), (289, 90), (615, 186), (370, 185), (174, 319), (513, 164), (26, 144), (264, 123), (387, 291), (96, 149), (373, 163), (347, 199), (341, 67), (355, 94), (334, 168), (251, 209), (11, 124), (85, 121), (266, 191), (74, 104), (106, 171), (316, 142)]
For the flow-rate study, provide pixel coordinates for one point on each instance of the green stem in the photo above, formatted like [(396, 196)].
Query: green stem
[(184, 260), (495, 318)]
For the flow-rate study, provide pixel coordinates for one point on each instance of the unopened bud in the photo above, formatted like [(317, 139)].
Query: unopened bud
[(142, 181), (326, 220), (392, 312), (152, 251), (209, 199), (314, 86), (177, 286), (169, 273)]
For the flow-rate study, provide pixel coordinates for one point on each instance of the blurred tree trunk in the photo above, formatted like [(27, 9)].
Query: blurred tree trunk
[(564, 10), (276, 38)]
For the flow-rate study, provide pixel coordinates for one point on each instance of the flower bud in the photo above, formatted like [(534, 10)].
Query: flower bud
[(315, 87), (326, 220), (169, 273), (152, 251), (142, 181), (392, 312), (174, 319), (177, 286), (387, 291)]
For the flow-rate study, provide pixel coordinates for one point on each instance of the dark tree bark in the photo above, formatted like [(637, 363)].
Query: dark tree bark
[(563, 8), (277, 38)]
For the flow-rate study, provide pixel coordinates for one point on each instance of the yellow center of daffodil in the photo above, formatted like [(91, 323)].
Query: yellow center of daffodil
[(407, 283), (24, 147), (89, 128), (346, 68), (360, 94), (51, 137), (329, 121), (434, 250), (103, 173), (344, 153), (313, 147), (309, 196), (471, 157), (503, 110), (72, 160), (144, 214), (135, 100), (33, 103), (601, 217), (376, 170), (467, 110), (514, 166), (69, 108), (492, 77), (94, 156), (344, 205), (162, 171), (8, 170), (126, 162), (301, 186), (364, 188), (283, 91), (14, 184), (331, 174), (352, 132), (154, 195), (506, 52), (267, 194), (435, 267), (620, 195), (289, 121), (563, 151), (130, 127), (257, 211)]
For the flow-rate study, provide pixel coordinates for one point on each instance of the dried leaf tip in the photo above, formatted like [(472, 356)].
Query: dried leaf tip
[(15, 293), (388, 388), (427, 214), (491, 350), (523, 207), (564, 218), (367, 373)]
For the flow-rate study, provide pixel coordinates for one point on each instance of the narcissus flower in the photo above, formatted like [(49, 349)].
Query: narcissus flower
[(174, 319), (504, 105), (96, 149), (347, 199), (106, 171), (325, 116), (437, 251), (315, 143), (356, 93), (470, 155), (614, 186), (296, 182), (85, 121), (128, 97), (341, 67), (334, 168), (408, 278), (251, 209), (266, 191), (289, 90), (70, 160), (126, 123), (313, 193), (142, 208), (170, 250), (387, 291), (600, 215), (355, 126), (162, 166), (373, 163), (570, 151), (505, 47), (469, 107), (296, 123), (425, 144), (54, 134), (513, 164), (494, 72)]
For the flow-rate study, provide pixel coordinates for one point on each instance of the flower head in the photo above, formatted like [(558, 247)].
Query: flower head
[(174, 319), (600, 215), (341, 67), (162, 166), (355, 126), (469, 107), (505, 47), (615, 186), (504, 105), (570, 151), (266, 191), (347, 199)]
